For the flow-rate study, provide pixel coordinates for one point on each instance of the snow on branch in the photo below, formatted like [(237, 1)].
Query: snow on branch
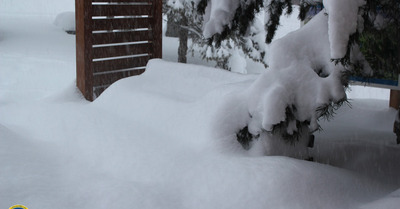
[(343, 17), (219, 14)]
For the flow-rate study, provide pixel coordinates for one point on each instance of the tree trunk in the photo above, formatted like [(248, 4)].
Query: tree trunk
[(183, 39), (172, 27)]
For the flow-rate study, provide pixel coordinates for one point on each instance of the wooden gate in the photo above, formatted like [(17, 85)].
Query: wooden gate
[(114, 40)]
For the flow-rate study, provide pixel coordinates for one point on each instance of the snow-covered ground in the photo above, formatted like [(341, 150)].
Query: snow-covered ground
[(148, 142)]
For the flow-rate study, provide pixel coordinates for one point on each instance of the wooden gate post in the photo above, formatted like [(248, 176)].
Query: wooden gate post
[(115, 39), (394, 100), (84, 74), (157, 27)]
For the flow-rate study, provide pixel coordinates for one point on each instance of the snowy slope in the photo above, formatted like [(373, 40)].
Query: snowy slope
[(35, 7), (147, 136), (36, 58), (147, 141)]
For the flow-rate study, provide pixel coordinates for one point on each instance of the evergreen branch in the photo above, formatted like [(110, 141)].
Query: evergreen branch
[(201, 6), (275, 9), (281, 128), (244, 137), (328, 111), (193, 30)]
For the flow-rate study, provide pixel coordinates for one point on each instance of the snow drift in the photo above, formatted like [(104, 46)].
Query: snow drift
[(149, 141), (149, 135)]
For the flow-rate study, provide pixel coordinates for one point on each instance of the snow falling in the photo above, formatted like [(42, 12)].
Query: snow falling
[(157, 140)]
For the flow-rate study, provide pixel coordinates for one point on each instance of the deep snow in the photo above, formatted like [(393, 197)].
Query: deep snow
[(147, 142)]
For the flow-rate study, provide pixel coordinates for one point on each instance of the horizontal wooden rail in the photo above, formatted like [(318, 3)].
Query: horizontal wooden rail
[(121, 10), (120, 37), (122, 1), (115, 51), (120, 24), (117, 64), (107, 79)]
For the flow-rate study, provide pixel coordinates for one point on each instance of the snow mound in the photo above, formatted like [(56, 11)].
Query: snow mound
[(389, 202), (66, 21), (188, 162), (35, 7), (147, 142)]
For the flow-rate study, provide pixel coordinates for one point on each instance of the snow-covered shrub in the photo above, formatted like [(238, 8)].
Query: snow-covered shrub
[(379, 41), (284, 103), (66, 21), (307, 72)]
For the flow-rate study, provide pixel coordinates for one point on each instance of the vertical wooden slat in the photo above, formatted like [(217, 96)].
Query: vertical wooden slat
[(84, 72), (157, 28)]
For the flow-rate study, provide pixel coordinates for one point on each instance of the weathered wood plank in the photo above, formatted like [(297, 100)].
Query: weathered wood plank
[(123, 50), (157, 29), (121, 10), (394, 100), (120, 37), (122, 1), (112, 65), (107, 79), (120, 24), (84, 74)]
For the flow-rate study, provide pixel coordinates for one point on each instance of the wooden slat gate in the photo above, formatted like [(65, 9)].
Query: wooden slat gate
[(114, 40)]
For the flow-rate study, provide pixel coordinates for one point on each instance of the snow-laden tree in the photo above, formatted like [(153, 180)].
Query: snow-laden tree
[(306, 79), (229, 53), (379, 40), (179, 13)]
